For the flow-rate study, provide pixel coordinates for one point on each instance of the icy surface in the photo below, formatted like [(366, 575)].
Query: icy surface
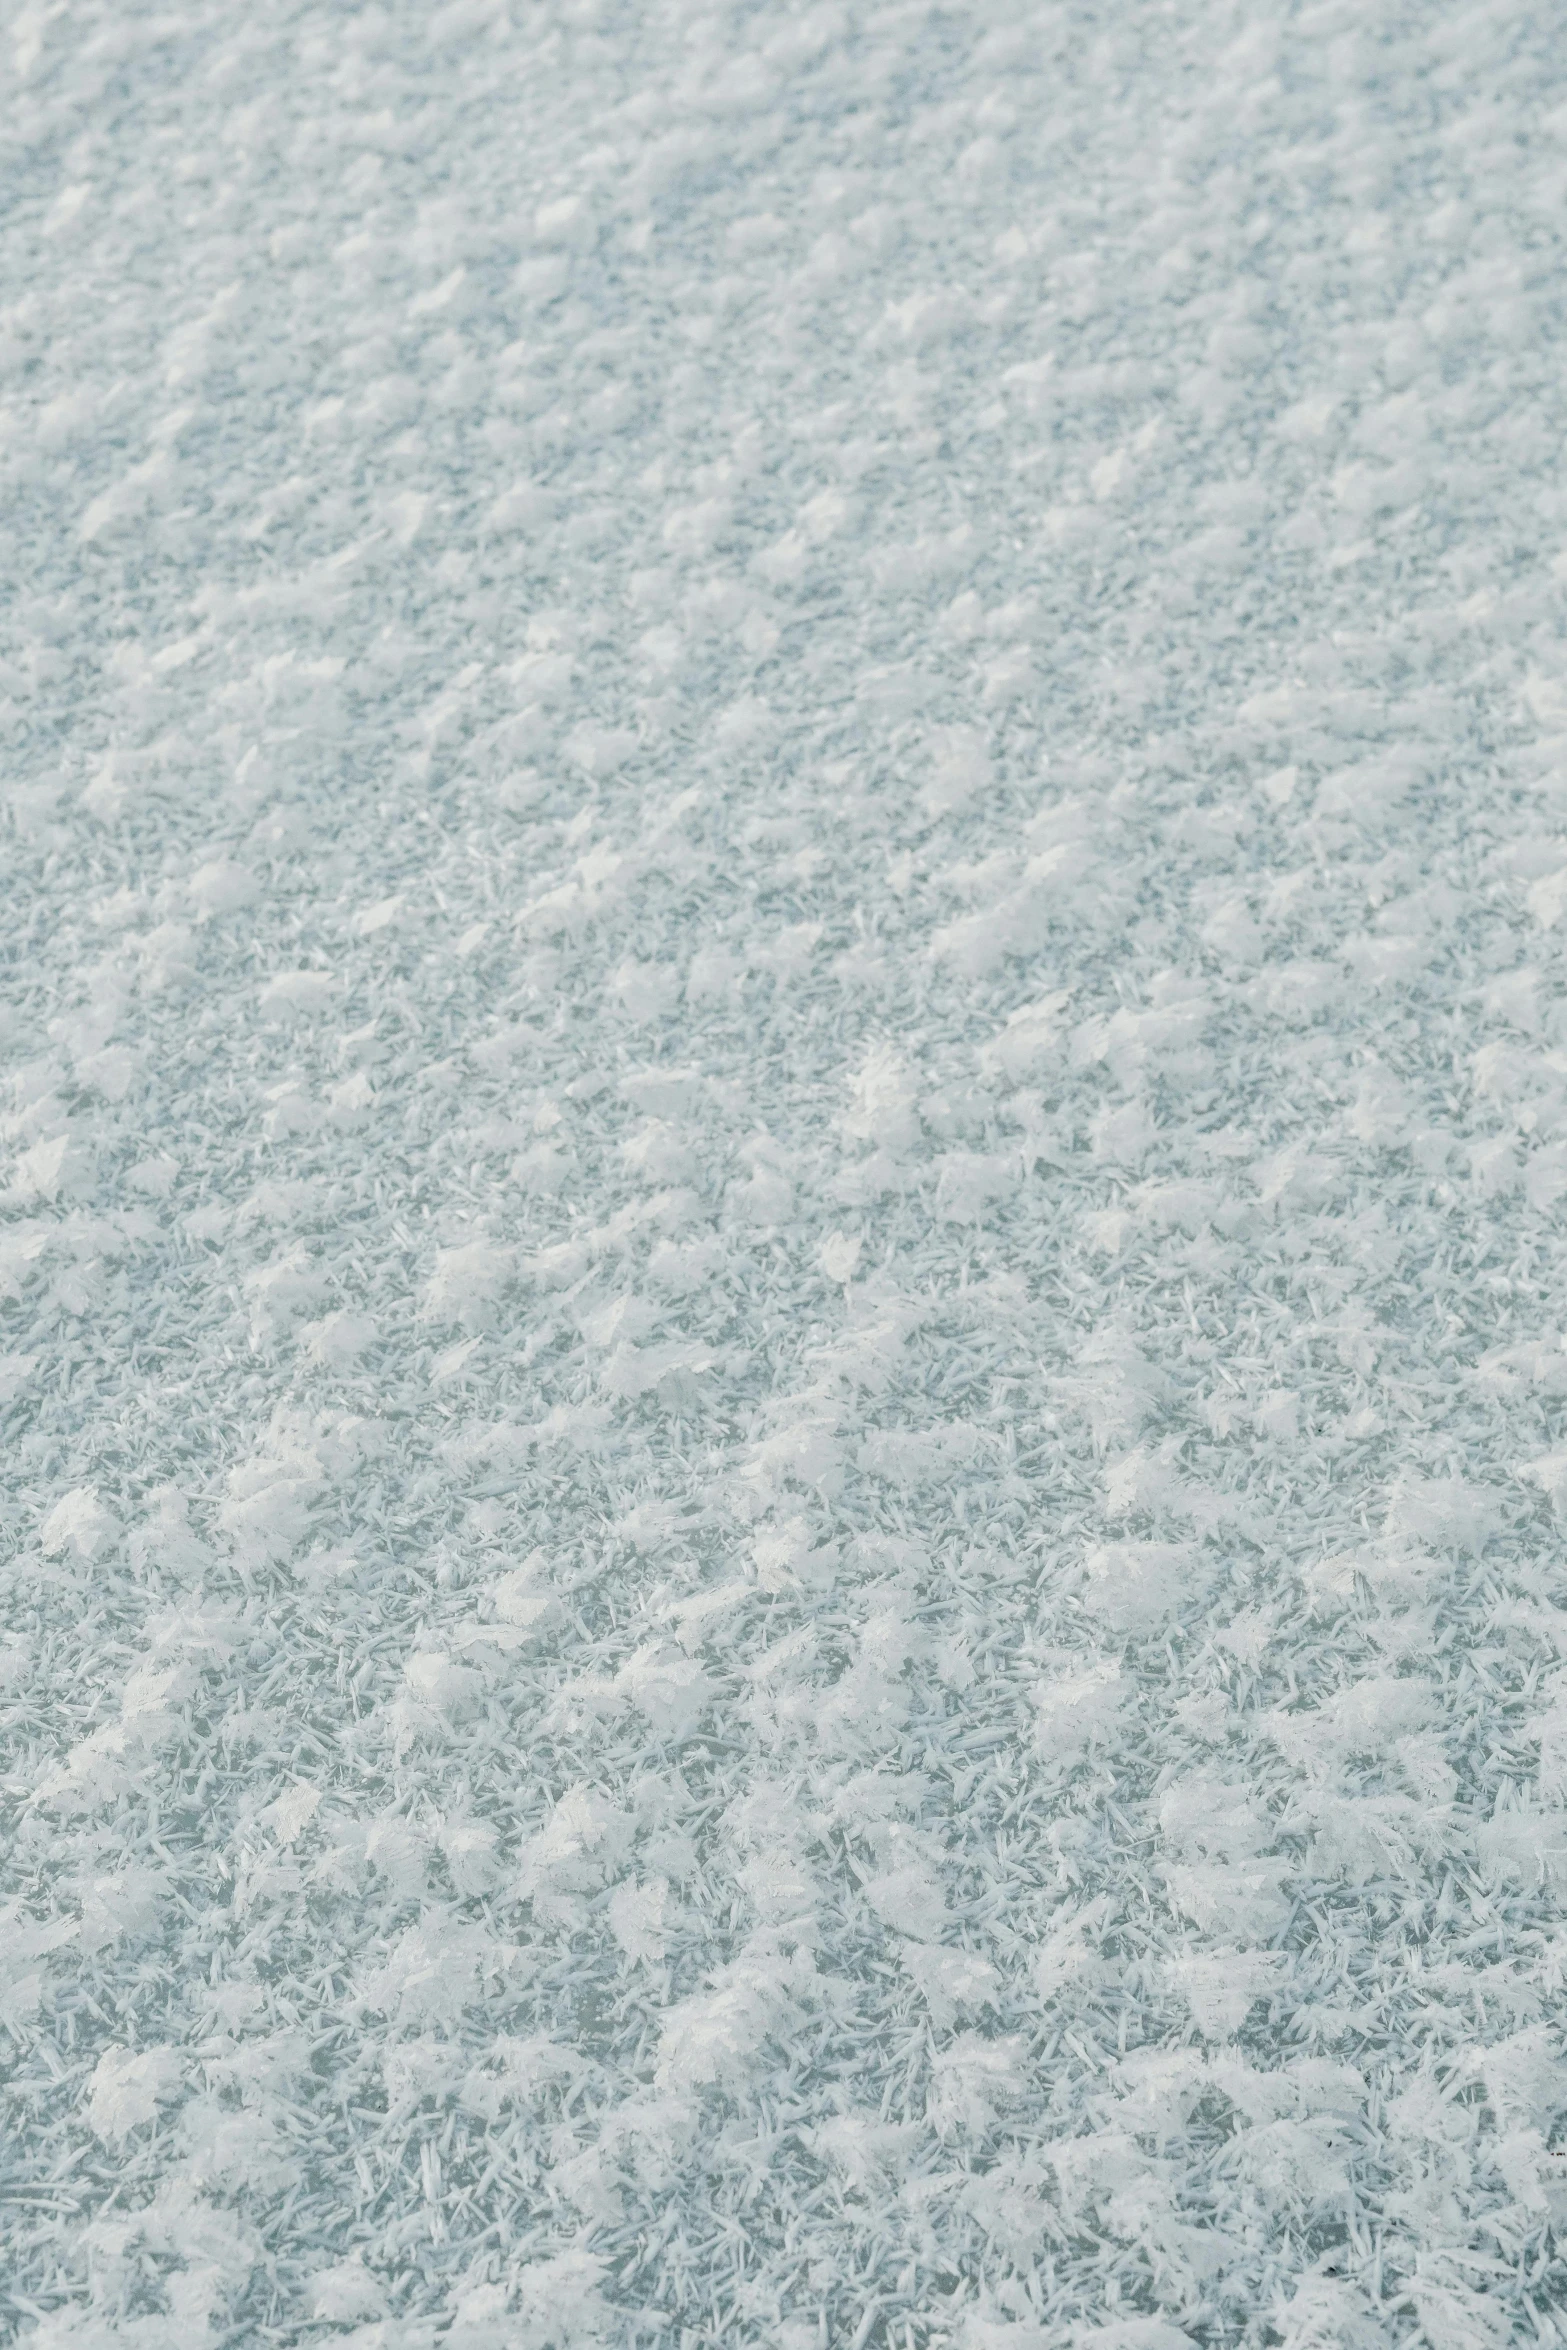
[(784, 1139)]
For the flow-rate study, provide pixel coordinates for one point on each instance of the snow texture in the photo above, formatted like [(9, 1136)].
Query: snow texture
[(782, 1315)]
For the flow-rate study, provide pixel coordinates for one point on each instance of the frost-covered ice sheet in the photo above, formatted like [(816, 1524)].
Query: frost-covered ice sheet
[(785, 1128)]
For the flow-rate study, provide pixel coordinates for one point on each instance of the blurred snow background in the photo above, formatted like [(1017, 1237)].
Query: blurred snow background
[(785, 1119)]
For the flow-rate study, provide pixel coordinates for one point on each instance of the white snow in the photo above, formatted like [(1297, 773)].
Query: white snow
[(783, 1136)]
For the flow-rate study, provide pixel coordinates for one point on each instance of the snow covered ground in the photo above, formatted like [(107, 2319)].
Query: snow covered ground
[(781, 1175)]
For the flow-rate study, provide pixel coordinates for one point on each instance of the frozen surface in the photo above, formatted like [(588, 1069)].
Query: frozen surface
[(785, 1131)]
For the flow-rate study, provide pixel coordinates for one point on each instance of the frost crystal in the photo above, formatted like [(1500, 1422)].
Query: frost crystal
[(783, 1143)]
